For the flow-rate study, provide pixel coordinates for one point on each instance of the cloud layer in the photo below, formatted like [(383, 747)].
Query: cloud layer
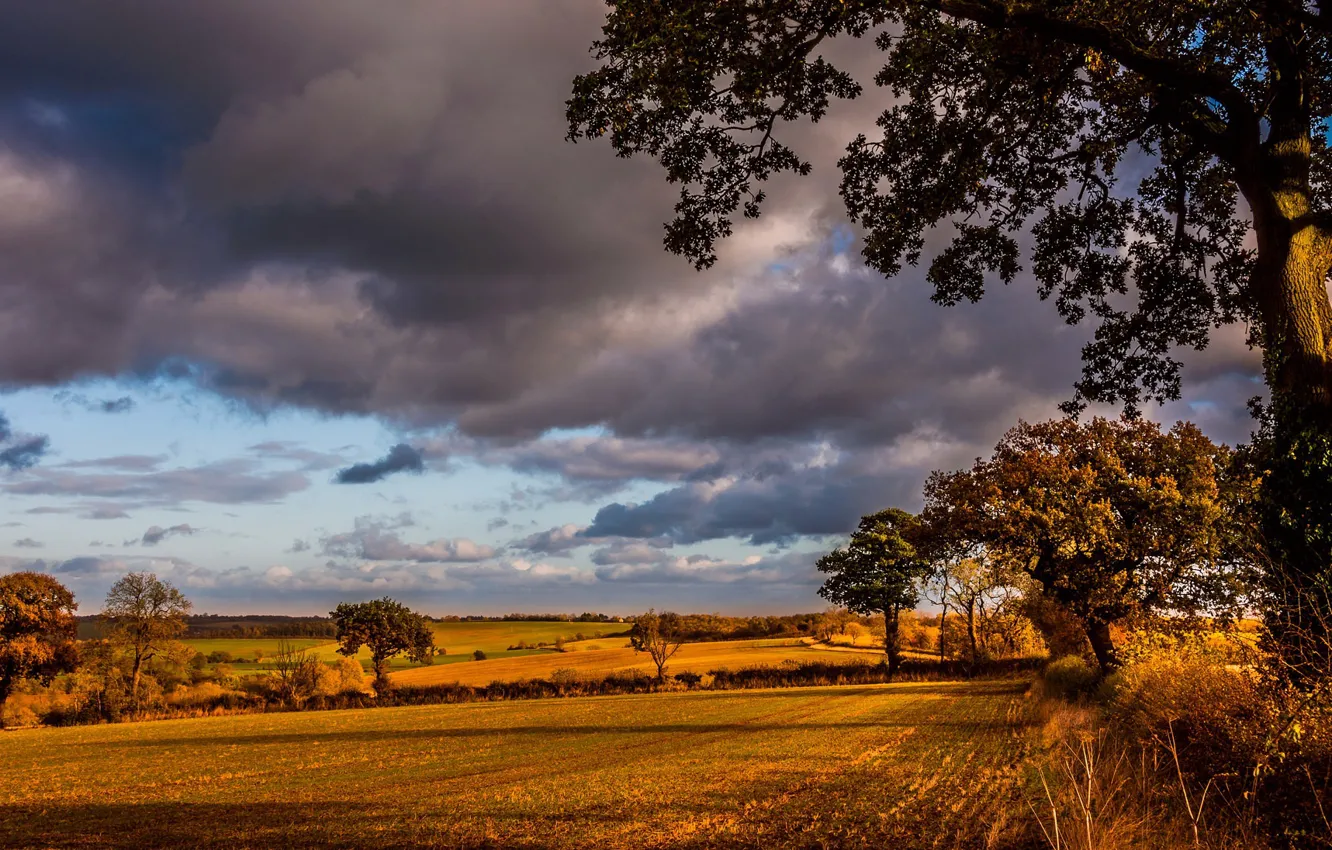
[(321, 205)]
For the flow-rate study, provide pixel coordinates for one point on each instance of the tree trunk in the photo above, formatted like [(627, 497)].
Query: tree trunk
[(1103, 644), (892, 641), (381, 675), (943, 630), (971, 629), (1290, 288), (6, 685), (134, 680)]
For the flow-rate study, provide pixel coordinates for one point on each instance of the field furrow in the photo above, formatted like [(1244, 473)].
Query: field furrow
[(838, 766)]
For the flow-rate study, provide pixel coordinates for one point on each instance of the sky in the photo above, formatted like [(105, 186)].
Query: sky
[(310, 302)]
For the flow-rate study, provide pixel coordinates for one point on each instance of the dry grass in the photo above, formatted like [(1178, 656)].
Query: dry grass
[(1093, 790), (906, 766)]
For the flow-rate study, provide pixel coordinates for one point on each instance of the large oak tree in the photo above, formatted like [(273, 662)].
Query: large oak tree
[(1012, 117), (1113, 519), (389, 629)]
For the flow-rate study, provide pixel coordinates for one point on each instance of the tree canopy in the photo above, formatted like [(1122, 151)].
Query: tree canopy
[(388, 628), (1112, 518), (879, 572), (144, 615), (660, 636), (1166, 162), (37, 630)]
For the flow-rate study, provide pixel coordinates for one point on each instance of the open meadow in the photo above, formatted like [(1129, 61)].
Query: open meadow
[(597, 658), (460, 639), (904, 765)]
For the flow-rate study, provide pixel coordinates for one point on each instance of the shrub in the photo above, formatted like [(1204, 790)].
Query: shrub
[(350, 677), (564, 676), (689, 680), (1069, 677), (479, 655), (16, 715)]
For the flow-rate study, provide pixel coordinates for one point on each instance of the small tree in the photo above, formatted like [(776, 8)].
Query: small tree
[(660, 636), (297, 673), (144, 616), (389, 629), (879, 572), (37, 630)]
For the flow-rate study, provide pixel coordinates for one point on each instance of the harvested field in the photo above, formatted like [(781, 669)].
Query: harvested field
[(903, 765)]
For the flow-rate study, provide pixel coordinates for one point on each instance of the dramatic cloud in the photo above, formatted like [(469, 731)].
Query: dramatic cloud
[(554, 541), (822, 493), (156, 534), (787, 569), (401, 458), (377, 214)]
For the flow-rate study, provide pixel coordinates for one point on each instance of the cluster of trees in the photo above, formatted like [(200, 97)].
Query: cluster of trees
[(1006, 134), (140, 653), (1077, 528)]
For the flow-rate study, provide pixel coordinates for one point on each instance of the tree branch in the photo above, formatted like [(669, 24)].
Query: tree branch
[(1163, 72)]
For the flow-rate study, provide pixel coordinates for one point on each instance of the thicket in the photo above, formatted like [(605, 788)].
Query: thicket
[(1180, 747)]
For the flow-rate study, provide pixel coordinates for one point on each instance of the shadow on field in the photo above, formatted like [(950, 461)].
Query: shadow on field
[(214, 825)]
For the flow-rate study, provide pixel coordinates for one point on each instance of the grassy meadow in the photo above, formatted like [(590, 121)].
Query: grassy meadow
[(599, 657), (904, 765), (461, 639)]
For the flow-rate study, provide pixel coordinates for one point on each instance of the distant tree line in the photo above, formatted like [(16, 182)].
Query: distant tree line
[(585, 617), (696, 628)]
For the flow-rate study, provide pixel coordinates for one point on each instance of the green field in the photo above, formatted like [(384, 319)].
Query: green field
[(460, 639), (900, 766)]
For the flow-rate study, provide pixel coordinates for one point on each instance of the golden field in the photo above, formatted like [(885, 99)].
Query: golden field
[(904, 765)]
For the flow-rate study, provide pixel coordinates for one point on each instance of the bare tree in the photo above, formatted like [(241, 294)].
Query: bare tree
[(298, 671), (144, 615), (660, 636)]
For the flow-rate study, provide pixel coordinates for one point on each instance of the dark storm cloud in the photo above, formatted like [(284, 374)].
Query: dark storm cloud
[(401, 458), (156, 534), (318, 203)]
